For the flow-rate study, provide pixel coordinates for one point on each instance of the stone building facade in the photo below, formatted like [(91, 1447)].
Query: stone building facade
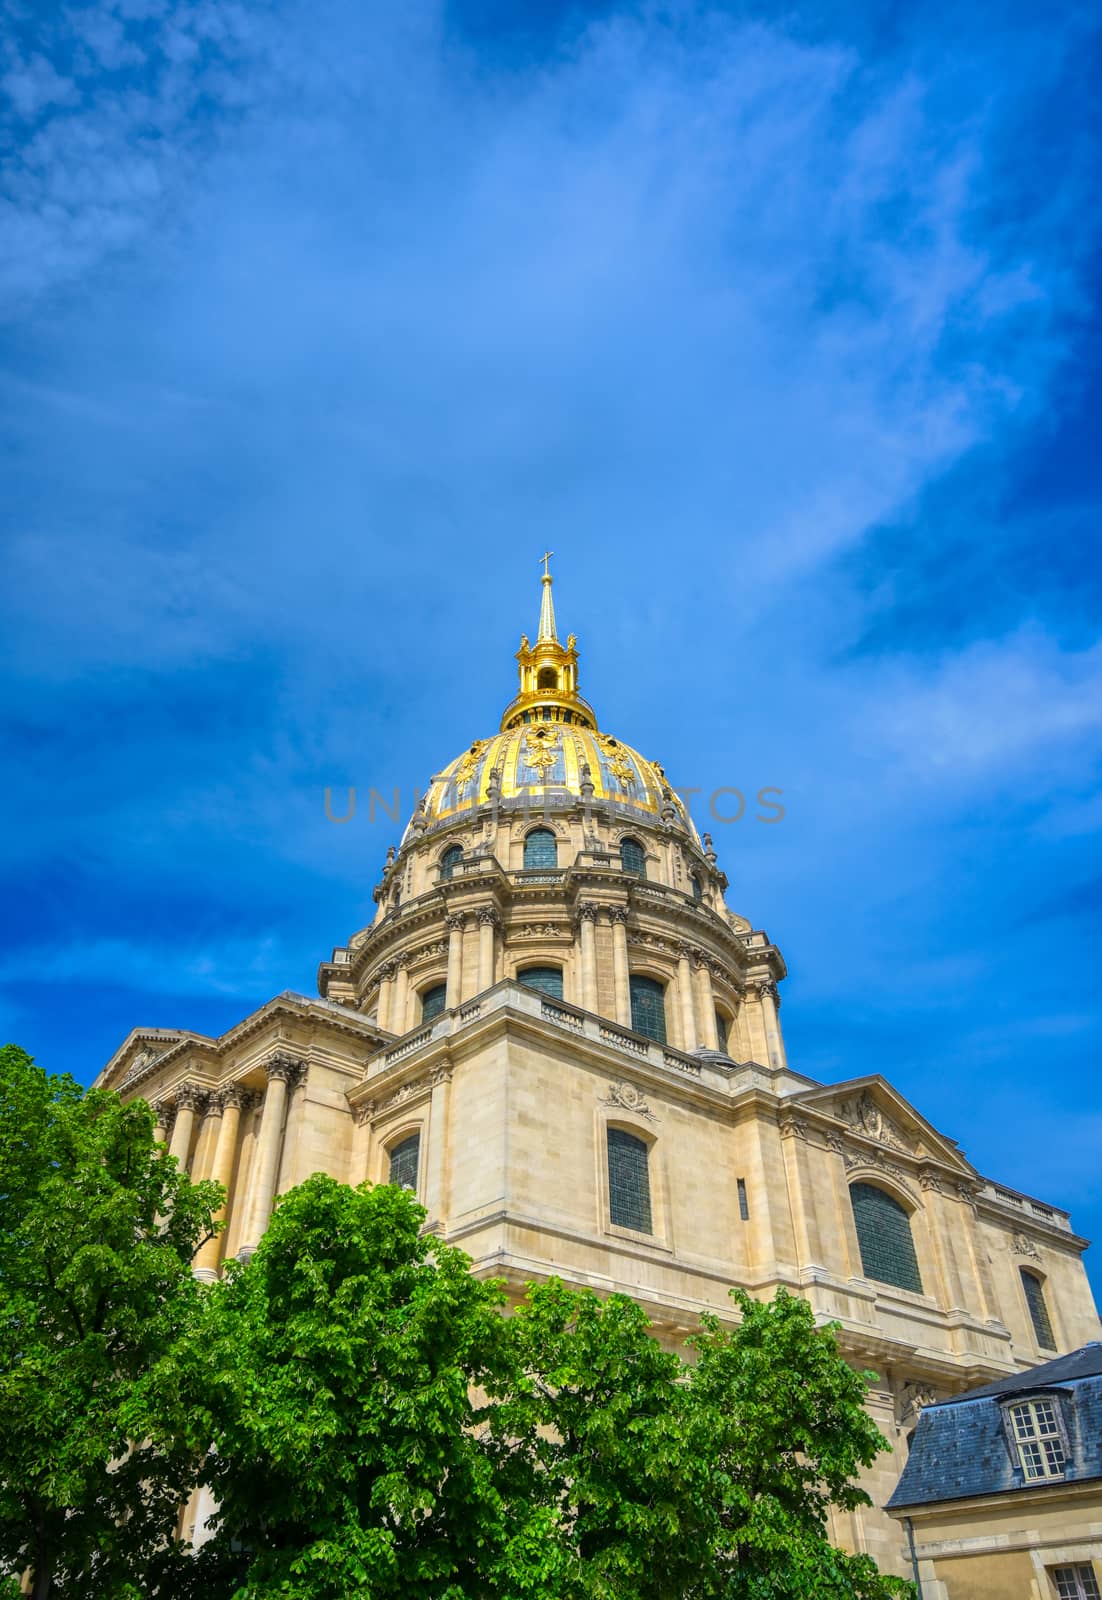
[(1002, 1491), (557, 1032)]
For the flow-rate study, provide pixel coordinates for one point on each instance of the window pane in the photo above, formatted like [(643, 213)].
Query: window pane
[(721, 1031), (1037, 1432), (648, 1008), (633, 857), (541, 849), (1038, 1310), (1075, 1583), (628, 1181), (403, 1162), (433, 1001), (450, 860), (694, 882), (548, 980), (884, 1235)]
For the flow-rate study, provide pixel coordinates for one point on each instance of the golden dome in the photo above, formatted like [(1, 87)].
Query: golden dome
[(549, 750)]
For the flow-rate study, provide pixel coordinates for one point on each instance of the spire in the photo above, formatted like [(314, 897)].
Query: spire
[(548, 672), (547, 634)]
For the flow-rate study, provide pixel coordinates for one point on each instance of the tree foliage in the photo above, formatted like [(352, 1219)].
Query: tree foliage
[(371, 1419), (97, 1231), (378, 1428)]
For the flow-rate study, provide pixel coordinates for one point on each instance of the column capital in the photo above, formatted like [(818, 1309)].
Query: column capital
[(237, 1096), (700, 958), (586, 911), (685, 951), (164, 1111), (765, 989), (488, 916), (455, 921), (386, 970), (191, 1095), (617, 914), (288, 1067)]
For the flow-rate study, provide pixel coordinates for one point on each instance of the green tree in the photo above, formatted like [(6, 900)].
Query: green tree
[(333, 1380), (97, 1231), (669, 1481), (377, 1428)]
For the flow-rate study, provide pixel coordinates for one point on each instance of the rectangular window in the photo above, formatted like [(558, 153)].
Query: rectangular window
[(628, 1181), (1075, 1583), (1039, 1440), (743, 1205)]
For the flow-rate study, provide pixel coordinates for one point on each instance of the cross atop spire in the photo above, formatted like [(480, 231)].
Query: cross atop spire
[(547, 632)]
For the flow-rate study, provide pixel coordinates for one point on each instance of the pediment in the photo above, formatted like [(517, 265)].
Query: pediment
[(877, 1116), (140, 1049)]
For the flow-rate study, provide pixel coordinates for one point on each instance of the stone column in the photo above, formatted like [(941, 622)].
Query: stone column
[(399, 1017), (282, 1070), (227, 1107), (587, 937), (455, 923), (435, 1155), (189, 1097), (685, 996), (705, 1001), (488, 920), (794, 1139), (770, 1005), (162, 1111), (618, 920), (941, 1235), (360, 1155), (386, 993)]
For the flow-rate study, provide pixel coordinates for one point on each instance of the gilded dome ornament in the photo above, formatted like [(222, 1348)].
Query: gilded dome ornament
[(470, 763), (550, 749), (541, 748)]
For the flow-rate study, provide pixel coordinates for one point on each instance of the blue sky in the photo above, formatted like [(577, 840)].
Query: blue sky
[(321, 322)]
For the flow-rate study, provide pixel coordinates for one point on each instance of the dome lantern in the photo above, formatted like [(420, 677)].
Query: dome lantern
[(548, 672)]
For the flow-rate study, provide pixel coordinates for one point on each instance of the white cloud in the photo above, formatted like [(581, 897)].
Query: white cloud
[(33, 84), (987, 711)]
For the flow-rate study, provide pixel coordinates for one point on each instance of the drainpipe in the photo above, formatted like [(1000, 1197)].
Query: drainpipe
[(909, 1525)]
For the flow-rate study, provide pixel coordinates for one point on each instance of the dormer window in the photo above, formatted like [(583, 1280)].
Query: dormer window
[(1037, 1431)]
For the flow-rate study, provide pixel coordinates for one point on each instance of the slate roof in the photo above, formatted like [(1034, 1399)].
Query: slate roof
[(960, 1449)]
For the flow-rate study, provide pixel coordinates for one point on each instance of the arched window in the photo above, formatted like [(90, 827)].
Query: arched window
[(884, 1235), (1038, 1310), (433, 1002), (451, 858), (548, 980), (721, 1031), (548, 678), (628, 1181), (403, 1163), (541, 849), (694, 885), (633, 857), (648, 1008)]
